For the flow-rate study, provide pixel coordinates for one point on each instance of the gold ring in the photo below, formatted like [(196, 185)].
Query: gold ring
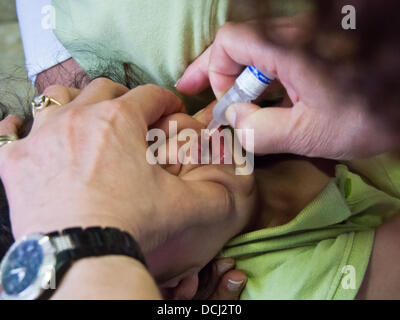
[(6, 139), (42, 102)]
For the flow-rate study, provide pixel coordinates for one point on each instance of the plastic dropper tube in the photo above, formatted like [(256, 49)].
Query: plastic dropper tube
[(248, 87)]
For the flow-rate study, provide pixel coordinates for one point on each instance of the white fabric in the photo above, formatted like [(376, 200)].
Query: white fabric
[(42, 48)]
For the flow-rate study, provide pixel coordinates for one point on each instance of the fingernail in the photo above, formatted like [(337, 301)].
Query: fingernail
[(177, 83), (224, 265), (234, 285), (220, 94)]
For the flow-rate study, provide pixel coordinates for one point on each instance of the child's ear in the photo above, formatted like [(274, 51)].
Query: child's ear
[(186, 289)]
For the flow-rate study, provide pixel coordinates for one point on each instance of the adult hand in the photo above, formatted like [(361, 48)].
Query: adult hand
[(319, 122), (84, 164), (176, 264)]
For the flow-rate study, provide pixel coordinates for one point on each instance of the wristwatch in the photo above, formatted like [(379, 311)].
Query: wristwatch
[(34, 265)]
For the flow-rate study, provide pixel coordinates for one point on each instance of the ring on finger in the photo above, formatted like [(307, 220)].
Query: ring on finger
[(6, 139), (42, 102)]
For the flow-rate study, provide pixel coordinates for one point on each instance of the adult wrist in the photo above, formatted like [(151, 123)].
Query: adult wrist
[(58, 252), (107, 277), (50, 223)]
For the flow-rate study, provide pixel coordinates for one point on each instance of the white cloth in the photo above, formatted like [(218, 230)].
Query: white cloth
[(42, 48)]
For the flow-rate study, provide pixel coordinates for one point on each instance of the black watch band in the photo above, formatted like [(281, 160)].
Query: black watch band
[(76, 243)]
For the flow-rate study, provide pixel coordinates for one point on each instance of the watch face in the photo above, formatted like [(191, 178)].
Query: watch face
[(22, 269)]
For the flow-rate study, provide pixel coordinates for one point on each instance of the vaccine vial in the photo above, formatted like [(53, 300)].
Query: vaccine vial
[(248, 87)]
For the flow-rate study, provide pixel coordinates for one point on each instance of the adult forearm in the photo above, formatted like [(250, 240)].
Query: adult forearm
[(108, 277)]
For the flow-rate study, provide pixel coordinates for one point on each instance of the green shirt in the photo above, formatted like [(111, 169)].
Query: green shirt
[(323, 253), (159, 37)]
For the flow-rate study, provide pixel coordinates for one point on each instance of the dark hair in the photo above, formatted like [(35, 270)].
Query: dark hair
[(365, 60)]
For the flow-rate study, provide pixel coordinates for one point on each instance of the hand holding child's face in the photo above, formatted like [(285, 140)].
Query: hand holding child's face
[(183, 256)]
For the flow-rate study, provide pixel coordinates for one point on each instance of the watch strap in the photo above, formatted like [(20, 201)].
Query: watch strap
[(97, 241), (73, 244)]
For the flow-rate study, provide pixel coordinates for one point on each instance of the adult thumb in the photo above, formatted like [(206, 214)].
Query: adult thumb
[(269, 125)]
